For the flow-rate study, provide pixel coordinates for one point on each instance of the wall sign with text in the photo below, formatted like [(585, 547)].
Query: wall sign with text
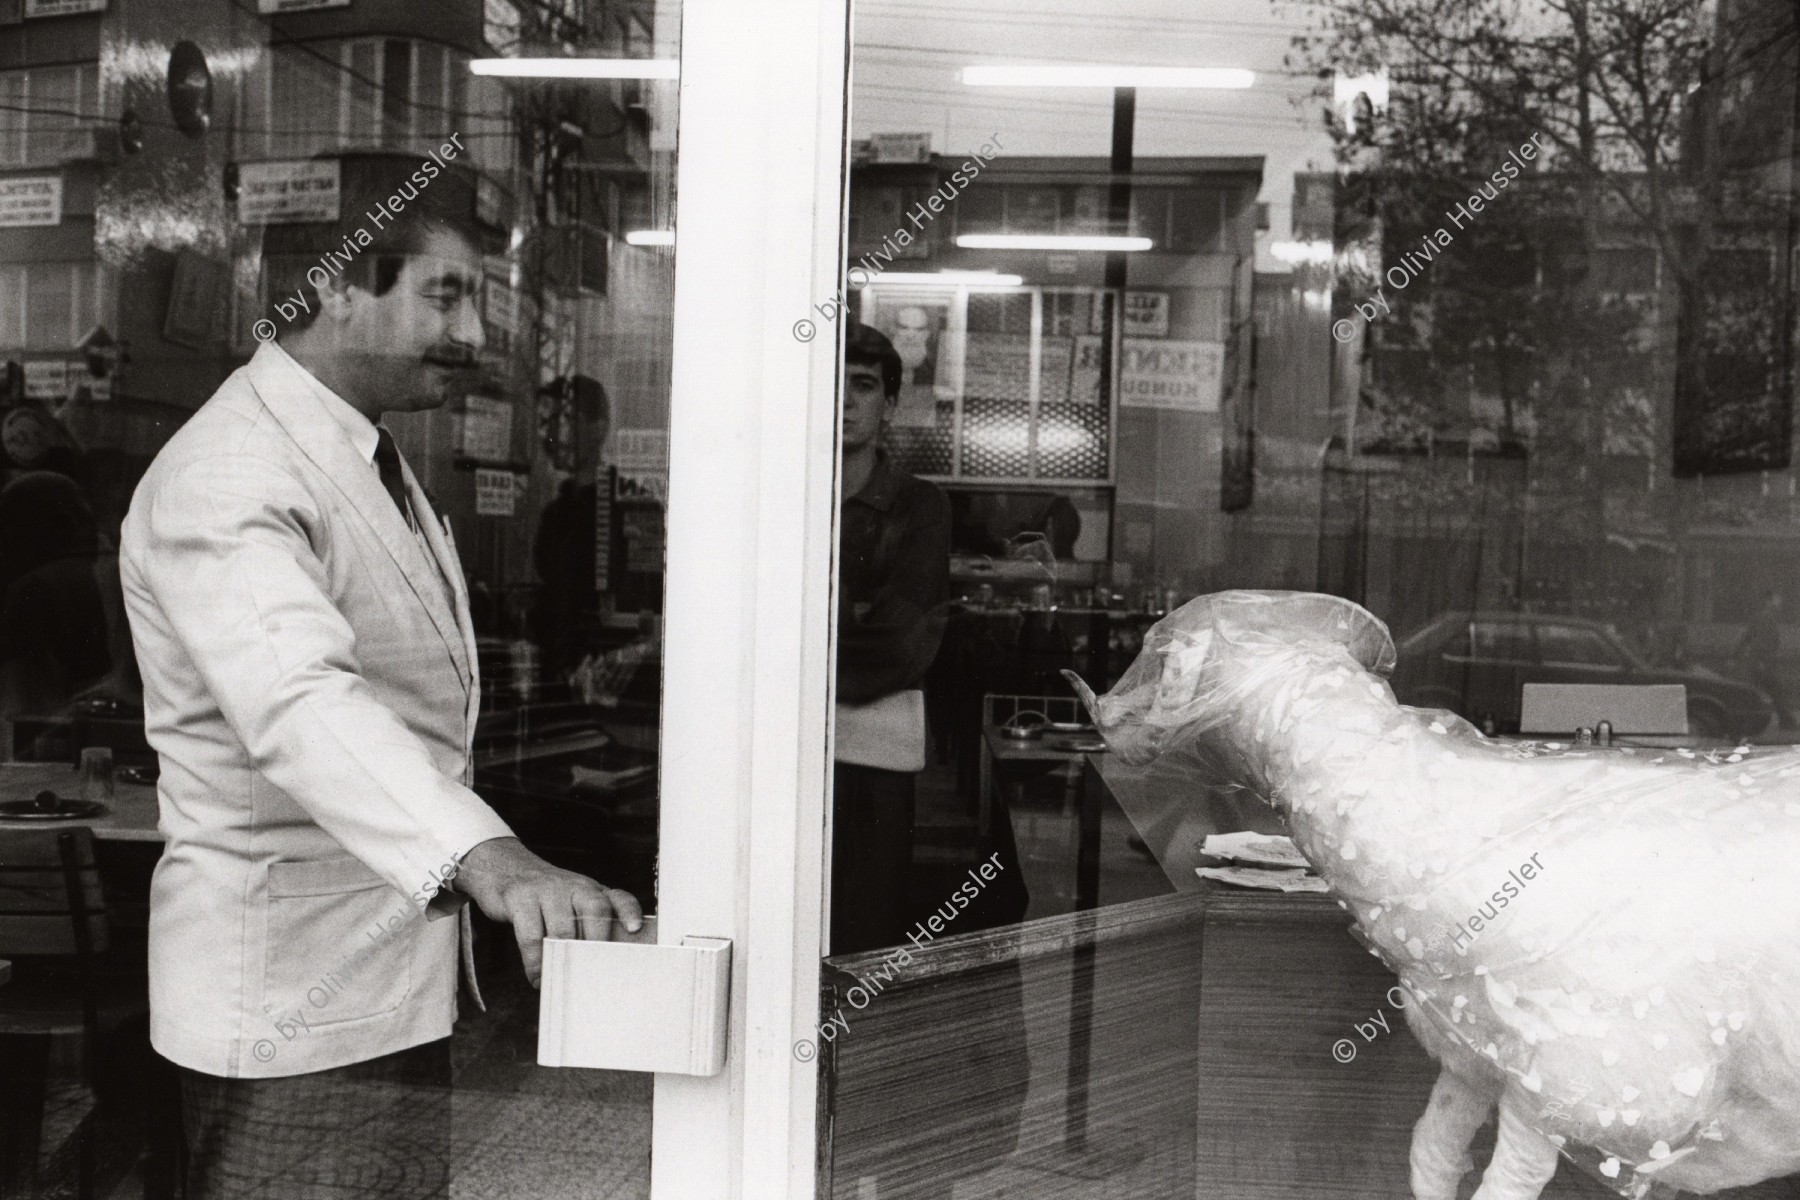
[(285, 192), (31, 200), (1146, 314), (62, 8), (496, 495), (1181, 375), (487, 428)]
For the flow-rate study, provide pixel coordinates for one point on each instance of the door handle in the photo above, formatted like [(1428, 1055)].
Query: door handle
[(635, 1005)]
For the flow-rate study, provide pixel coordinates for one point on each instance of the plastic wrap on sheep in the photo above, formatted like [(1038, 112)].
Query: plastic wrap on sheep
[(1598, 942)]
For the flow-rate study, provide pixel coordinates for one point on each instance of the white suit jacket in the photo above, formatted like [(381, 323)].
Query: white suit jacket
[(311, 691)]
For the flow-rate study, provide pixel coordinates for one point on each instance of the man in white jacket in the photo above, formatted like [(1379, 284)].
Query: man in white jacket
[(302, 627)]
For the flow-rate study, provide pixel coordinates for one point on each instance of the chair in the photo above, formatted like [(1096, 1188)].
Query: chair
[(53, 926)]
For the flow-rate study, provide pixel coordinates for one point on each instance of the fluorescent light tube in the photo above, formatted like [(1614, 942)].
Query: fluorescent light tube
[(946, 278), (650, 237), (577, 68), (1109, 77), (1302, 252), (1049, 241)]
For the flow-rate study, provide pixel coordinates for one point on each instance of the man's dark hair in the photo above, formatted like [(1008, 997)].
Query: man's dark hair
[(868, 347), (368, 181)]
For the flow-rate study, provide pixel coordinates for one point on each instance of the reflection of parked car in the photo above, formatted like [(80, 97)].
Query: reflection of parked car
[(1476, 664)]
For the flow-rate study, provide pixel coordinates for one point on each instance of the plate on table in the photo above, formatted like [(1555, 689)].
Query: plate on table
[(1265, 878), (1257, 849), (48, 806)]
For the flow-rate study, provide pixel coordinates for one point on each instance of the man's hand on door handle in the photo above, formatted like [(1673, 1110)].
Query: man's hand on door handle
[(513, 885)]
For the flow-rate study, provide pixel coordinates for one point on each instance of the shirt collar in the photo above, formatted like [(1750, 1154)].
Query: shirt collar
[(883, 486), (359, 429)]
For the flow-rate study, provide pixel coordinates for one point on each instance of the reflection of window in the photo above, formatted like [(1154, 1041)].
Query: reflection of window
[(43, 106), (398, 93), (48, 305), (1625, 270), (1498, 640), (1569, 645)]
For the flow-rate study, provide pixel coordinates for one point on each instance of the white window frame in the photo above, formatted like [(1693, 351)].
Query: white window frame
[(747, 649)]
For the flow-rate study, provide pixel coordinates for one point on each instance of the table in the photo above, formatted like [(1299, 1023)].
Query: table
[(131, 815), (1049, 747)]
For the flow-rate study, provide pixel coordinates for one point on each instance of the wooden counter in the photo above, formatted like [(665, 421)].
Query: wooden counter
[(1207, 1072), (963, 1068)]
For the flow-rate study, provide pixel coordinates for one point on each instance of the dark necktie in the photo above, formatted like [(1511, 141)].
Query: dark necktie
[(387, 461)]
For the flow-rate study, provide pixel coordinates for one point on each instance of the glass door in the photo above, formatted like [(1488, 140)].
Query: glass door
[(563, 586)]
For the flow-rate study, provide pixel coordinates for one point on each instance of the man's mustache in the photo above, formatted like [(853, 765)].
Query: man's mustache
[(457, 358)]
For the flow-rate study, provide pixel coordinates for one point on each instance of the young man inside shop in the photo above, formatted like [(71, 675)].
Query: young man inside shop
[(893, 582), (303, 632), (893, 598)]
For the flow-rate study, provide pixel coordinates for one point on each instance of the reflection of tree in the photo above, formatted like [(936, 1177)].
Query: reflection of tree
[(1638, 271)]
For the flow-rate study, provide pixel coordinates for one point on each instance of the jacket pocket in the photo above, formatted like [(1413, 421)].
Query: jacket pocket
[(322, 877), (331, 952)]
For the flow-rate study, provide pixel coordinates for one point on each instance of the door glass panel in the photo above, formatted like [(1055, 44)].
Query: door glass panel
[(1241, 311), (326, 677)]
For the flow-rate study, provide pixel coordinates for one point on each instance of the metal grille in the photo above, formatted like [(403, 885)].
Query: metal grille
[(925, 451), (996, 439), (1071, 441)]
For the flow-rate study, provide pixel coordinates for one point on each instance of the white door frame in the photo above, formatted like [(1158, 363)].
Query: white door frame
[(747, 633)]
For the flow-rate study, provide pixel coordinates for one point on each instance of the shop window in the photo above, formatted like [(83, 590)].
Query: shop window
[(1626, 270)]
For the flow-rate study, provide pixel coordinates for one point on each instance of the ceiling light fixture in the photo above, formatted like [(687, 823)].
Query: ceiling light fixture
[(577, 68), (1108, 77), (947, 278), (1050, 241)]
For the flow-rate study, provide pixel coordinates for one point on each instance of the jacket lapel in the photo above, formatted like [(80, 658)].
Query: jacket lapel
[(443, 548), (288, 395)]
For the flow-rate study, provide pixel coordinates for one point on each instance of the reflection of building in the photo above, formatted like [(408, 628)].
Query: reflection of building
[(1589, 414), (150, 241), (1013, 390)]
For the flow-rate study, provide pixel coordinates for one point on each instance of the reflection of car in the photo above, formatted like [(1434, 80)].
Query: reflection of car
[(1476, 665)]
